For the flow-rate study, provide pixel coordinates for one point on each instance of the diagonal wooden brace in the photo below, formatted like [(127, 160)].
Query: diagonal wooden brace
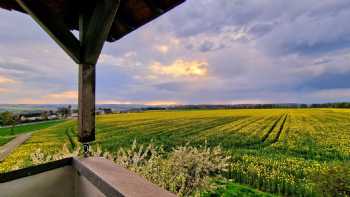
[(54, 26), (96, 30)]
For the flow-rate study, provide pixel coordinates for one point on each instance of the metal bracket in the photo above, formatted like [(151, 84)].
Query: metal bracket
[(86, 149)]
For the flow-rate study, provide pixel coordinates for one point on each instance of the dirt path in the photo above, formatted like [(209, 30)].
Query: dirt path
[(6, 149)]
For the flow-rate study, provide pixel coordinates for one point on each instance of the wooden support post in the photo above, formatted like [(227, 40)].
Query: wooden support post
[(94, 27), (87, 83), (87, 78)]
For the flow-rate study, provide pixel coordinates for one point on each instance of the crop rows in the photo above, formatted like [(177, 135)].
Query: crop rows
[(275, 150)]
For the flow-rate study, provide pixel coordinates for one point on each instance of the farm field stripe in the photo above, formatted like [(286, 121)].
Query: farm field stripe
[(154, 128), (207, 126), (134, 125), (160, 126), (232, 127), (248, 123), (188, 126), (267, 134), (258, 126)]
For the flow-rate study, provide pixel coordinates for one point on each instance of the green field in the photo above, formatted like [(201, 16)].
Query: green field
[(6, 134), (4, 140), (273, 150)]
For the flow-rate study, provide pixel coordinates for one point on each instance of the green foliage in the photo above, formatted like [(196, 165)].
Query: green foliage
[(7, 118), (72, 137), (28, 127), (335, 181), (4, 140), (231, 189)]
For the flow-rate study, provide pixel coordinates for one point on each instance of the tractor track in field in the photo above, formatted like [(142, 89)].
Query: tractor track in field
[(255, 131), (267, 134), (280, 130)]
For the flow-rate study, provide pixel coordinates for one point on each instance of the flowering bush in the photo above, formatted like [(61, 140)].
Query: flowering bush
[(184, 170), (39, 157)]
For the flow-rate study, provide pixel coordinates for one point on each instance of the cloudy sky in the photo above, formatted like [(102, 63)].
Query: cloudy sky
[(204, 51)]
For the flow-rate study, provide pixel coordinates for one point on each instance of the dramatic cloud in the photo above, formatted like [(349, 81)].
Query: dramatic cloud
[(56, 98), (117, 102), (4, 90), (207, 51), (155, 103), (129, 59), (341, 94), (6, 80)]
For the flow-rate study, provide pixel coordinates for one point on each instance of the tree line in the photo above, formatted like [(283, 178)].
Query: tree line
[(247, 106)]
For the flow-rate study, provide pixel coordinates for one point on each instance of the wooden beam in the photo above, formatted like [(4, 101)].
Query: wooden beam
[(54, 26), (86, 96), (154, 7), (93, 32), (98, 29), (87, 78)]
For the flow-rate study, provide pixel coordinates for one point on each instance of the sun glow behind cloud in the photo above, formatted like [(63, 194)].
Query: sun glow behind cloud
[(162, 48), (181, 68)]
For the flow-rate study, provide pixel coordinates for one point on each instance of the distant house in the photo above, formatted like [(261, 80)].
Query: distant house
[(107, 110), (52, 117), (31, 116), (101, 111), (34, 116)]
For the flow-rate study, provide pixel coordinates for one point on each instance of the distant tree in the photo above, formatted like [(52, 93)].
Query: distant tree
[(45, 115), (69, 110), (9, 119), (63, 111), (303, 106)]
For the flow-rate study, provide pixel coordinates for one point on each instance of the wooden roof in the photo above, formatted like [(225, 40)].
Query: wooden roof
[(131, 14)]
